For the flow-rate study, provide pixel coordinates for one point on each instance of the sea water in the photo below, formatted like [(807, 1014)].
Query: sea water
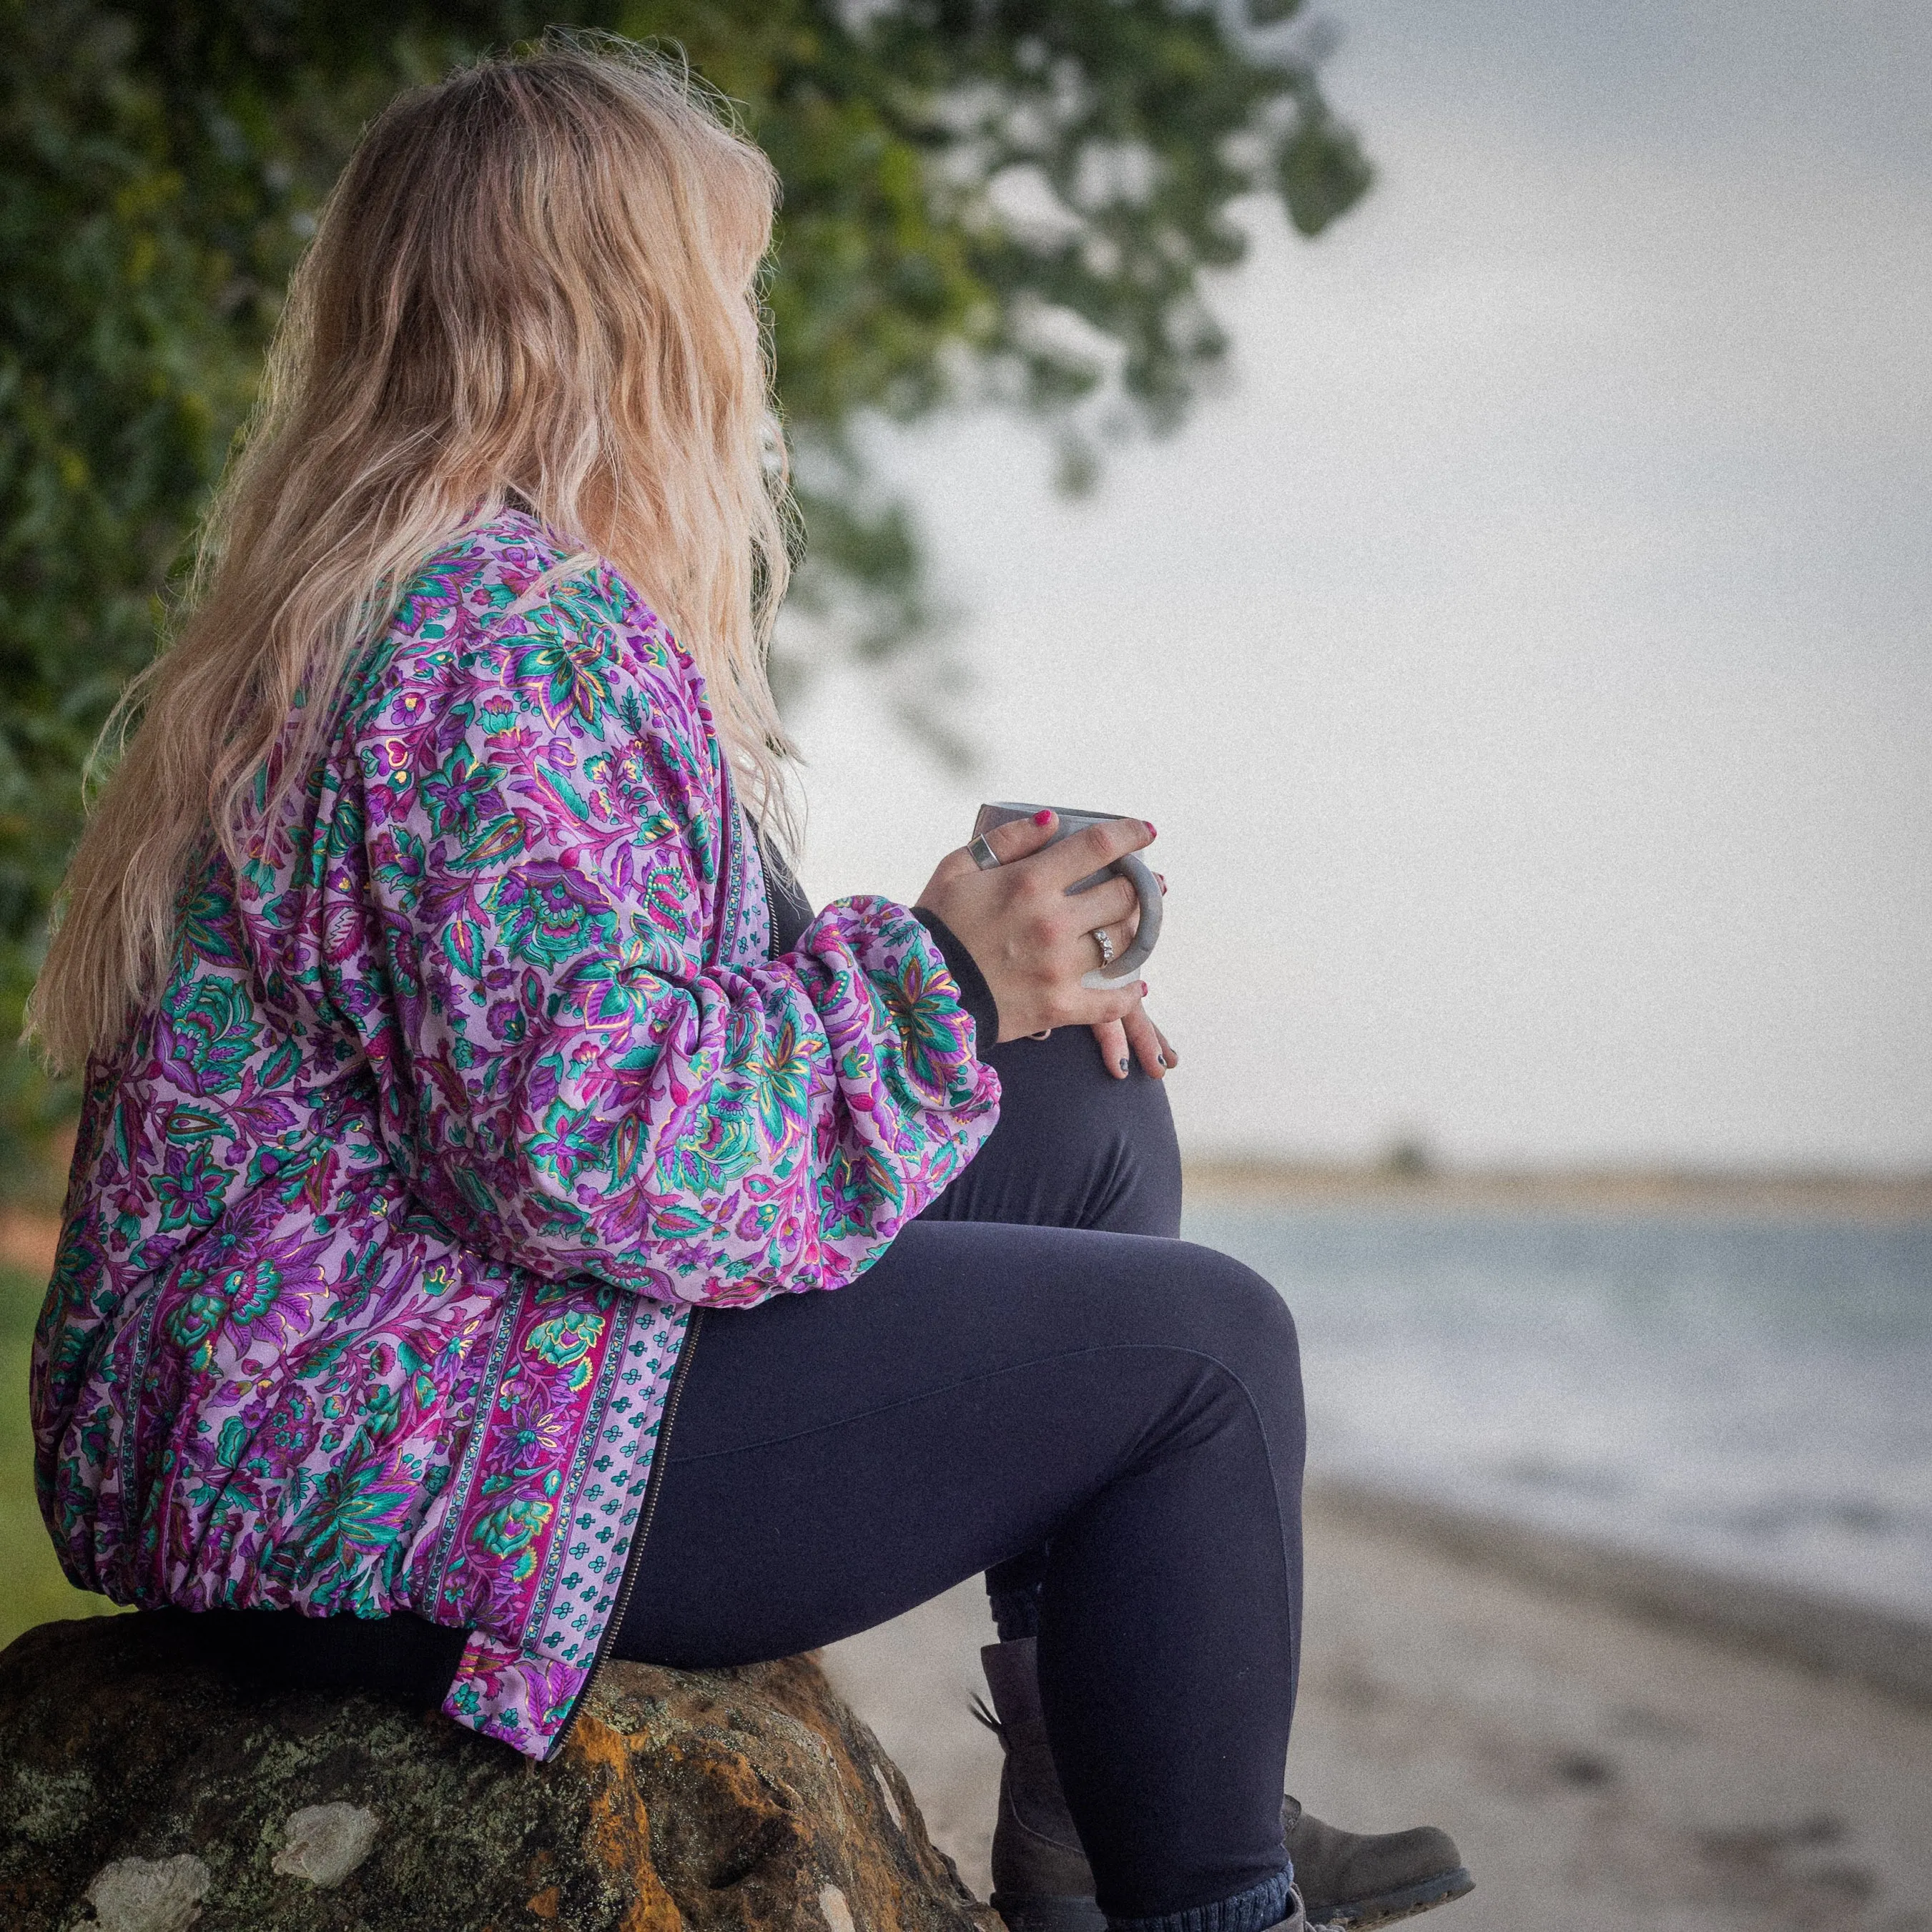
[(1751, 1394)]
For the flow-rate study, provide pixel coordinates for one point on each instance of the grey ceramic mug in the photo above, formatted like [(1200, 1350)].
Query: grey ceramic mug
[(1132, 867)]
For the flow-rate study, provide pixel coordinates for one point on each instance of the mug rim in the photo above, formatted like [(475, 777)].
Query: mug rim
[(1059, 811)]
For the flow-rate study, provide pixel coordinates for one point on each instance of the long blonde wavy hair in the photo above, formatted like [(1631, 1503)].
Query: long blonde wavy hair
[(535, 280)]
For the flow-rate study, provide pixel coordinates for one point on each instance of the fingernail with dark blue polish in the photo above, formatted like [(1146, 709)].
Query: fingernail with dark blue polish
[(1123, 1065)]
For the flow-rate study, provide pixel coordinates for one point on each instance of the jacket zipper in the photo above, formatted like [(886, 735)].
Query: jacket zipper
[(660, 1462)]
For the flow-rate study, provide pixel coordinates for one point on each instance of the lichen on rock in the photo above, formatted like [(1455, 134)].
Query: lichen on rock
[(325, 1842), (136, 1778), (148, 1894)]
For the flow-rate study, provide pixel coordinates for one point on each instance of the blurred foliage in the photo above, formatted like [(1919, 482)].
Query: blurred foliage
[(32, 1588), (1005, 200)]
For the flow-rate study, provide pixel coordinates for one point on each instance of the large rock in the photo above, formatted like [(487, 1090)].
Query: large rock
[(141, 1791)]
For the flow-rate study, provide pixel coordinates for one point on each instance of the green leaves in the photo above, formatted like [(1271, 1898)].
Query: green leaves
[(1320, 169), (991, 202)]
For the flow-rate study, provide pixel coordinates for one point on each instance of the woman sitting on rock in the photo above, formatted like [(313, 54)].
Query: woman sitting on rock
[(476, 1115)]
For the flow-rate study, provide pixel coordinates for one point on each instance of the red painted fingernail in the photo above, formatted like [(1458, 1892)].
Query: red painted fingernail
[(1042, 816), (1143, 989), (1151, 833)]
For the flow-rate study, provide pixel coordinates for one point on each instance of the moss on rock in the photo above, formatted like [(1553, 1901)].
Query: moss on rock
[(749, 1799)]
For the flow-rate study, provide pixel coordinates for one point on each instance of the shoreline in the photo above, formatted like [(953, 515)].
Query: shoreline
[(1887, 1651), (1794, 1195), (28, 1236)]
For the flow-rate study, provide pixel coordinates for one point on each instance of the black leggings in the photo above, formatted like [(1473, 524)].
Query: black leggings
[(1037, 1378)]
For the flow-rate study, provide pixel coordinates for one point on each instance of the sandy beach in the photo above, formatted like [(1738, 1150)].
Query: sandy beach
[(1603, 1770)]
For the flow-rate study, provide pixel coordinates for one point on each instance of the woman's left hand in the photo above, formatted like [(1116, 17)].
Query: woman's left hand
[(1137, 1035)]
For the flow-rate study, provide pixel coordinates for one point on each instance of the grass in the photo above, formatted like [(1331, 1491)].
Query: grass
[(32, 1590)]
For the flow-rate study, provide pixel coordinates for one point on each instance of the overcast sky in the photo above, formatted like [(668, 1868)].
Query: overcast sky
[(1526, 657)]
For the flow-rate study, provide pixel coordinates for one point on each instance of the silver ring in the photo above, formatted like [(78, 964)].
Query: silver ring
[(1105, 944), (984, 856)]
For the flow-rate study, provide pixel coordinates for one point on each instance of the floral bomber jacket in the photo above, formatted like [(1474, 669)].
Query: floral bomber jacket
[(386, 1224)]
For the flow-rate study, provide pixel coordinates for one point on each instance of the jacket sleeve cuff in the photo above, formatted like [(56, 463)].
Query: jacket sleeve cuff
[(975, 995)]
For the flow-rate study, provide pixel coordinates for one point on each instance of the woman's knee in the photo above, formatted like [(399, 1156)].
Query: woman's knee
[(1232, 1342), (1176, 1293), (1238, 1315)]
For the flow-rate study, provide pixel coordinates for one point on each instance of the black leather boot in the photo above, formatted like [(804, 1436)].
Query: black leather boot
[(1042, 1881), (1360, 1879)]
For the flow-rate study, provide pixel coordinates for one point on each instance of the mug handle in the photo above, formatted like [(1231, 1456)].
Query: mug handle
[(1127, 967)]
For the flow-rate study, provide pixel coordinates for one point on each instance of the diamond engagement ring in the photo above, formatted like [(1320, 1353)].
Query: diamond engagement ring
[(984, 856), (1105, 942)]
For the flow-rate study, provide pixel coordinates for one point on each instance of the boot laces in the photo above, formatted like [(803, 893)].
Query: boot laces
[(984, 1715)]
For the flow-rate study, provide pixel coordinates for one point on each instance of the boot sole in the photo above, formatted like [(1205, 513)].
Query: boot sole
[(1359, 1915), (1386, 1907)]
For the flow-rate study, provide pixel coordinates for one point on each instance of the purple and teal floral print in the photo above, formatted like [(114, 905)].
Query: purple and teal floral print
[(386, 1221)]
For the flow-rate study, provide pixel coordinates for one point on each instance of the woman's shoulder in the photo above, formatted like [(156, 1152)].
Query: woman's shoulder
[(513, 574), (510, 615)]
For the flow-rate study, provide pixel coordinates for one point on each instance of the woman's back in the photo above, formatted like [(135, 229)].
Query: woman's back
[(344, 1273)]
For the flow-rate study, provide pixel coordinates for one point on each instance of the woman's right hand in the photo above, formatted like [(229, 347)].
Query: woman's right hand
[(1026, 934)]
